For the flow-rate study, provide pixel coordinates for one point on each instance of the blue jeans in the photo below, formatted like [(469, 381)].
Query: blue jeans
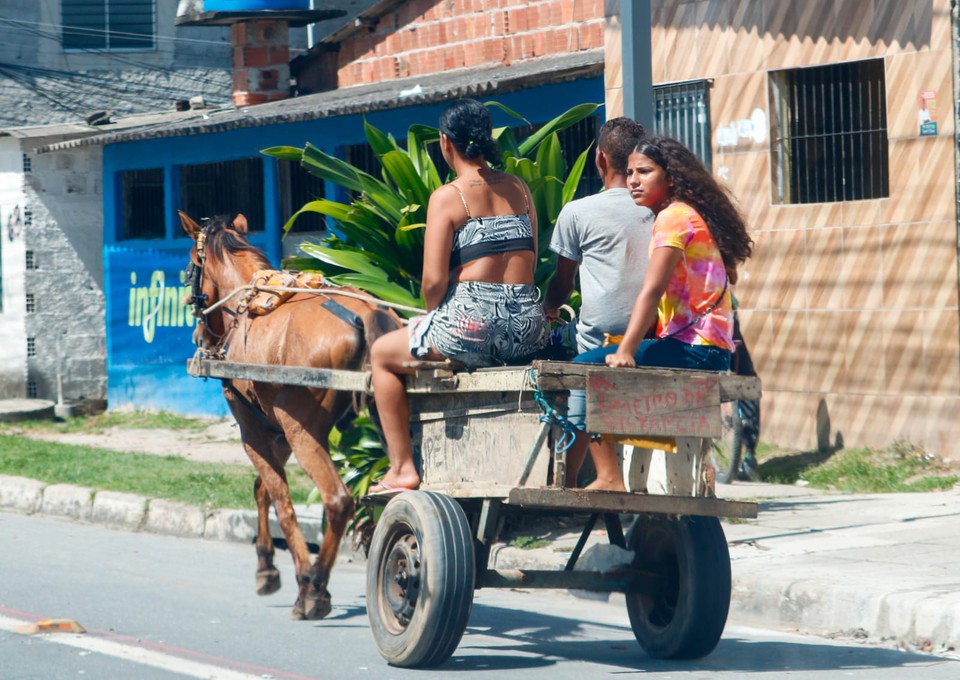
[(666, 353)]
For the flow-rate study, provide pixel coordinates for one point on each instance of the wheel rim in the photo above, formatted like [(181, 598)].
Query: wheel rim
[(400, 579), (661, 558)]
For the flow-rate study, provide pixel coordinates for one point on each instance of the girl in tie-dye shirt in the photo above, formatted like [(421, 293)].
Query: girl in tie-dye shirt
[(699, 238)]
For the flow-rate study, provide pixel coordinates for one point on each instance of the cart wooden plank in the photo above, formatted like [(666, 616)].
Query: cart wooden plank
[(635, 402), (324, 378), (553, 376), (578, 500)]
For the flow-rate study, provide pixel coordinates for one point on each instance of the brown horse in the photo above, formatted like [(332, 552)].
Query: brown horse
[(274, 419)]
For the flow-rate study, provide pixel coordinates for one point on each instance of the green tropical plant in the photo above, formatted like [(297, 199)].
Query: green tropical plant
[(376, 242)]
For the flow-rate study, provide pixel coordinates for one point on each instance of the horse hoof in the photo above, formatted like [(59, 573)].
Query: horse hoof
[(318, 606), (268, 581), (297, 613)]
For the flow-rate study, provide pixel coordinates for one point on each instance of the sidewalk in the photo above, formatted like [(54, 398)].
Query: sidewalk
[(876, 567)]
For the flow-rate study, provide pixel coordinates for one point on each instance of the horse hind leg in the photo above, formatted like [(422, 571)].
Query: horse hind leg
[(268, 576)]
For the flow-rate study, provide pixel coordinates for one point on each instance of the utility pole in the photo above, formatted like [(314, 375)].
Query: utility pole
[(637, 61)]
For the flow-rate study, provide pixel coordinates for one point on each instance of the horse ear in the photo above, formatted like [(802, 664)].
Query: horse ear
[(240, 223), (192, 228)]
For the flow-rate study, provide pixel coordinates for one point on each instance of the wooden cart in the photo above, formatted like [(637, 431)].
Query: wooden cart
[(489, 446)]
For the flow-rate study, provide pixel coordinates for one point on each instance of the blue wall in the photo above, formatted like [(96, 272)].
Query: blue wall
[(148, 334)]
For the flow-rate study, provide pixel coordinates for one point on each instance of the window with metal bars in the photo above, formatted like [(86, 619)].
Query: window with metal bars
[(31, 303), (142, 204), (27, 165), (682, 111), (829, 138), (32, 391), (224, 188), (31, 347), (108, 24), (297, 188), (31, 260)]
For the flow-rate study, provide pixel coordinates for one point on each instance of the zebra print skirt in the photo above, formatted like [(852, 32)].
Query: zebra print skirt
[(482, 324)]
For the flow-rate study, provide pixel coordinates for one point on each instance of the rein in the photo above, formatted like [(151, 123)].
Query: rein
[(315, 291)]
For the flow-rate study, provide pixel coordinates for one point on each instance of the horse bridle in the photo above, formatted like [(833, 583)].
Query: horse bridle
[(194, 276)]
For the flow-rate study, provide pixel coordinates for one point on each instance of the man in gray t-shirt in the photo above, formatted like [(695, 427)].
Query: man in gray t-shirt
[(607, 237)]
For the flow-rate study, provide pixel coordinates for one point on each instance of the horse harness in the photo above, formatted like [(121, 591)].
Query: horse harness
[(198, 300)]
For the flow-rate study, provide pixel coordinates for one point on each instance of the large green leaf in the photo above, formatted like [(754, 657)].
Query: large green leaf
[(405, 175), (289, 153), (331, 169), (576, 172), (378, 141), (552, 169), (507, 142), (348, 259), (418, 137), (507, 110), (564, 120), (385, 290)]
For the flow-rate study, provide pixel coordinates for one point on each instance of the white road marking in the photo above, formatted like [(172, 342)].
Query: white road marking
[(134, 654)]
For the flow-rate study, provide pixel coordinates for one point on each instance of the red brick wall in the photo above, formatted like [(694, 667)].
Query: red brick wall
[(428, 36)]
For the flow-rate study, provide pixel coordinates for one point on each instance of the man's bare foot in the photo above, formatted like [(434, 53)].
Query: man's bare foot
[(605, 485)]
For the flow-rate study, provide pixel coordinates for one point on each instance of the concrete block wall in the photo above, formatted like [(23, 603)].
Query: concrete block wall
[(64, 196), (427, 36)]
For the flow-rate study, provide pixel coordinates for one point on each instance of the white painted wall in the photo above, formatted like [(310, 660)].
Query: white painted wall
[(13, 339)]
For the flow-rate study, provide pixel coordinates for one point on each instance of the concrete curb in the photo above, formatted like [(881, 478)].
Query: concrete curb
[(138, 513)]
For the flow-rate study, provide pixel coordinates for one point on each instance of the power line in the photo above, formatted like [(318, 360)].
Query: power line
[(114, 56), (82, 30), (30, 85), (97, 82)]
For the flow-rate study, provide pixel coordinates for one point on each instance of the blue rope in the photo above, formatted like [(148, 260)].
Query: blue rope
[(552, 416)]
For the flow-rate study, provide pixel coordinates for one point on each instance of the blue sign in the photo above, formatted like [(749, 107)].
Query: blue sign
[(928, 128), (149, 334)]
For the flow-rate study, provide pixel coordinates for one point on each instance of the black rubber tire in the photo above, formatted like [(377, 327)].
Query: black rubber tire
[(728, 449), (420, 579), (686, 616)]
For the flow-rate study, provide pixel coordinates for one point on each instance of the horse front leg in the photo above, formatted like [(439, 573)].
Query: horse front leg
[(310, 446), (268, 576), (268, 457)]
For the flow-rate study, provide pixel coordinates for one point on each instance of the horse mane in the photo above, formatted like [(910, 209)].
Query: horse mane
[(221, 237)]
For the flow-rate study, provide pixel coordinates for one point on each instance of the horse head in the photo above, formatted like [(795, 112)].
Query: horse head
[(221, 260)]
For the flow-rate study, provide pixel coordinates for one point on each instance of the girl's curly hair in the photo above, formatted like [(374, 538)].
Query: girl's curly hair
[(694, 185)]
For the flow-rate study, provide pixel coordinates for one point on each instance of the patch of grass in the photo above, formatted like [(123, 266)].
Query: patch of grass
[(900, 468), (208, 485), (96, 424), (529, 542)]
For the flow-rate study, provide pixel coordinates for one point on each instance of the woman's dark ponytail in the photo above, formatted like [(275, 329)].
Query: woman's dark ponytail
[(468, 125)]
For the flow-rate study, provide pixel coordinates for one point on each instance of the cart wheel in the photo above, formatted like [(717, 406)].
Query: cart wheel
[(420, 579), (728, 448), (686, 615)]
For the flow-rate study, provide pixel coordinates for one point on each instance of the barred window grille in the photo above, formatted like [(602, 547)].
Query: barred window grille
[(27, 217), (31, 347), (32, 391), (297, 188), (142, 204), (224, 188), (830, 133), (31, 260), (108, 24), (27, 165), (682, 111), (31, 303)]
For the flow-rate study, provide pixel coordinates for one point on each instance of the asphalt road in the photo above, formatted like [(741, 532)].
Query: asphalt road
[(161, 607)]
